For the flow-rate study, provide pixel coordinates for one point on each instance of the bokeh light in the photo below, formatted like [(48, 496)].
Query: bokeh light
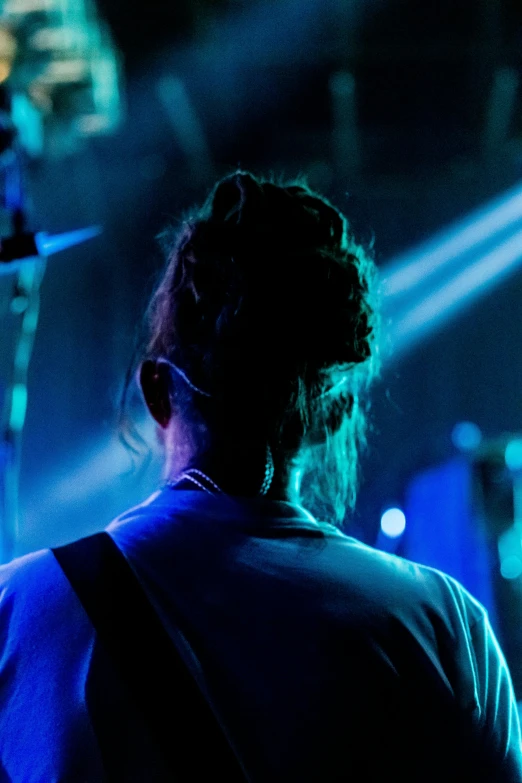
[(513, 454), (466, 436), (511, 567), (393, 523)]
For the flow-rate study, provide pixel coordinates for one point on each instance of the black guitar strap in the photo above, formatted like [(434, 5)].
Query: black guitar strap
[(186, 731)]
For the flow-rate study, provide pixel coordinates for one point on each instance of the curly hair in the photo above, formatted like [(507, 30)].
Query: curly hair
[(268, 304)]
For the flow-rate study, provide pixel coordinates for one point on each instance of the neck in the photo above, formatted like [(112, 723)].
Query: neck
[(239, 472), (236, 464), (209, 481)]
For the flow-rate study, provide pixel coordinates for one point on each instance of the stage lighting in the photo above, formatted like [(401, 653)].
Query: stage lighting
[(22, 7), (66, 67), (510, 552), (513, 455), (18, 407), (297, 481), (8, 48), (416, 267), (466, 436), (424, 316), (393, 523), (511, 567)]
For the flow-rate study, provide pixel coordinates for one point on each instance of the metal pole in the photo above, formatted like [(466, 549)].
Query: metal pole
[(26, 300)]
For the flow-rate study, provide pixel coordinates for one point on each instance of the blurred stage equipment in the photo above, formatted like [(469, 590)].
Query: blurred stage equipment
[(346, 137), (465, 518), (498, 489), (22, 255), (60, 79), (500, 112), (446, 528), (64, 73), (187, 127)]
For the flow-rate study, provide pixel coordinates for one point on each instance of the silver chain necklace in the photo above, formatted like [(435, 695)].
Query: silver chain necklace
[(191, 473), (188, 473)]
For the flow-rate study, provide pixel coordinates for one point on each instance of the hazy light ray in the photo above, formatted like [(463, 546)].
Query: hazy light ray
[(439, 306), (106, 464), (413, 267), (91, 471)]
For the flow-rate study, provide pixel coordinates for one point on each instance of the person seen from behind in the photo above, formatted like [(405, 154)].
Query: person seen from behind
[(320, 658)]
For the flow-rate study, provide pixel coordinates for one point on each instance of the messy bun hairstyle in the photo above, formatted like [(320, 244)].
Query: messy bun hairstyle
[(267, 305)]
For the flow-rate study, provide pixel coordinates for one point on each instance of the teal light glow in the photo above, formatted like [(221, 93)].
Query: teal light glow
[(511, 567), (47, 244), (393, 523), (18, 407), (297, 481), (513, 454)]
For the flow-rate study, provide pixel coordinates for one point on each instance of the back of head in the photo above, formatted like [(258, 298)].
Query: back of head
[(266, 303)]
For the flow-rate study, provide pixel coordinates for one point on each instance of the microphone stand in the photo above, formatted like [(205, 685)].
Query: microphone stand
[(25, 302), (24, 255)]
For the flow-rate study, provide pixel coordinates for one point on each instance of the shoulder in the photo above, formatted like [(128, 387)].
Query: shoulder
[(35, 597), (44, 630), (46, 644), (408, 588), (26, 574)]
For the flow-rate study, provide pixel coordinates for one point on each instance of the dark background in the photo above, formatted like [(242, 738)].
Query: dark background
[(257, 74)]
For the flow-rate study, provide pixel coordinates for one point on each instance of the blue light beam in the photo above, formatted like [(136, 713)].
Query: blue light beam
[(415, 267), (425, 317), (48, 245)]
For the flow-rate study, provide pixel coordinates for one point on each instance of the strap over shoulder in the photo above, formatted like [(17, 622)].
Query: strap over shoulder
[(186, 729)]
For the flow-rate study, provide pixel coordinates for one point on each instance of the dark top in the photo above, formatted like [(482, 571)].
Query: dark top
[(324, 659)]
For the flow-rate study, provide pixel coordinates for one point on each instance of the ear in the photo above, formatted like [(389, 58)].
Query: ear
[(155, 382)]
